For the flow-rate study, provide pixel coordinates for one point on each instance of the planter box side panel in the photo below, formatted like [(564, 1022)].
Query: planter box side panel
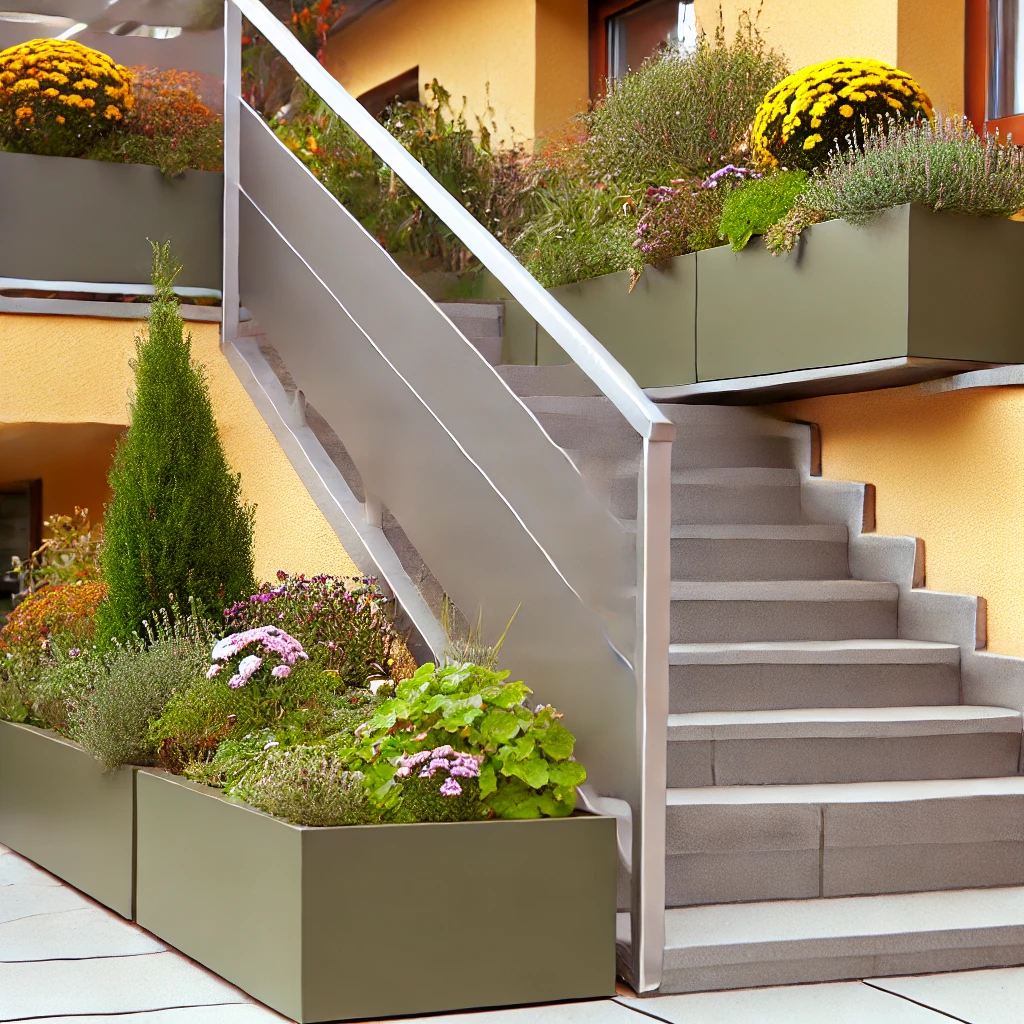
[(650, 330), (965, 279), (60, 809), (840, 298), (222, 883), (89, 221), (436, 918)]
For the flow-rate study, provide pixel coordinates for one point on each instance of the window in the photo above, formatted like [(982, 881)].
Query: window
[(625, 33), (995, 65)]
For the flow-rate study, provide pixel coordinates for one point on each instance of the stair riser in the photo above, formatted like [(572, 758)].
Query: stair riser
[(609, 436), (769, 687), (717, 505), (732, 853), (737, 621), (966, 950), (705, 560), (805, 761)]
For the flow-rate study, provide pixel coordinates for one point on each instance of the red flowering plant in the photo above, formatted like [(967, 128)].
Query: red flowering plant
[(343, 624), (169, 127)]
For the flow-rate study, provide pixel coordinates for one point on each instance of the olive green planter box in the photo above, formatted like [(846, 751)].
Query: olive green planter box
[(60, 809), (649, 330), (911, 284), (88, 221), (363, 922)]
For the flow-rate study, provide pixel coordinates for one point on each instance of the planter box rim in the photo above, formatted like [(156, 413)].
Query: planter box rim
[(212, 791)]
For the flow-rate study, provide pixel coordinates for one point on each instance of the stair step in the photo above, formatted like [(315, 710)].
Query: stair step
[(766, 675), (782, 610), (747, 843), (758, 944), (558, 380), (592, 426), (721, 553), (743, 495), (813, 745)]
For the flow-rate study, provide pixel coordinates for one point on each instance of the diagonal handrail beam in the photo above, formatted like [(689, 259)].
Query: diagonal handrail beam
[(581, 346)]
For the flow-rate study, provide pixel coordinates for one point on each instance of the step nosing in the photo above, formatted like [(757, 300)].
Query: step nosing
[(824, 793), (815, 652), (838, 591)]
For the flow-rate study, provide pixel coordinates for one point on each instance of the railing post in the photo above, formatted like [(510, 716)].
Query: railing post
[(232, 128), (654, 593)]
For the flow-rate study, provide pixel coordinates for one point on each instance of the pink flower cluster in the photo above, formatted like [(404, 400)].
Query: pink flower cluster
[(441, 759), (270, 640)]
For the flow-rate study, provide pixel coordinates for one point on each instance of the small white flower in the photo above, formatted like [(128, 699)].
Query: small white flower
[(248, 665), (223, 648)]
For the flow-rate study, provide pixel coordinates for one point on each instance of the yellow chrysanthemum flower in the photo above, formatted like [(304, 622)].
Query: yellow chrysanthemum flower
[(52, 92), (831, 95)]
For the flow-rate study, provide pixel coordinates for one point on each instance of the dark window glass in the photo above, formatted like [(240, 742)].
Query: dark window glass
[(1006, 59), (642, 30)]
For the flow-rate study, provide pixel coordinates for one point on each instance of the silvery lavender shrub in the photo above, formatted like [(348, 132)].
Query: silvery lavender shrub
[(944, 166)]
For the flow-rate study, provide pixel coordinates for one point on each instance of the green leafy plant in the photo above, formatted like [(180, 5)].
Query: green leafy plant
[(523, 757), (70, 553), (176, 523), (752, 208)]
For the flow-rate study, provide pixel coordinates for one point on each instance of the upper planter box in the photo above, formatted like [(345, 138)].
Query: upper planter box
[(377, 921), (911, 296), (912, 284), (88, 221)]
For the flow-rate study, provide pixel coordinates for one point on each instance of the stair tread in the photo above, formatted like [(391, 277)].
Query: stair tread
[(729, 476), (752, 531), (839, 723), (785, 590), (842, 917), (849, 792), (802, 652)]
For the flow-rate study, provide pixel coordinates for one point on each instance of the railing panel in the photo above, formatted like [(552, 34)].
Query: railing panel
[(498, 432), (464, 529)]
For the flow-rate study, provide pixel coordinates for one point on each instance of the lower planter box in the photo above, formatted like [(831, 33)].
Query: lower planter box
[(60, 809), (329, 924)]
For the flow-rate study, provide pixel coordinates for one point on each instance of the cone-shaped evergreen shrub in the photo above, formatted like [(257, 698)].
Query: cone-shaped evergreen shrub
[(176, 523)]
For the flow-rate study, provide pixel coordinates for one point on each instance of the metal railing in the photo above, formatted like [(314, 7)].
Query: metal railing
[(327, 293)]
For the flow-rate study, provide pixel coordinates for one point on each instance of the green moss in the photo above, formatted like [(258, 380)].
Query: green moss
[(752, 208)]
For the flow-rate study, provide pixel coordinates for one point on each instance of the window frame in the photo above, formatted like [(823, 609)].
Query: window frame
[(976, 75), (601, 12)]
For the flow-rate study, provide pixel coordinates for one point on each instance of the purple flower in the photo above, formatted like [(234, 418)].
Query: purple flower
[(281, 672), (451, 788), (213, 670), (74, 652), (248, 665)]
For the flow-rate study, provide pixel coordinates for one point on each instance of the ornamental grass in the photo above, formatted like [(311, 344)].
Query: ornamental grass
[(58, 97)]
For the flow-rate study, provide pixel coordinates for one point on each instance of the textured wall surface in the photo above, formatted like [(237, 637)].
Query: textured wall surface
[(923, 37), (527, 59), (948, 469), (74, 371)]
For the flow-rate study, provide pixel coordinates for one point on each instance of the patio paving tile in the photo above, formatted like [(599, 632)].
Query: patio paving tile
[(978, 997), (20, 900), (848, 1002), (73, 935), (236, 1013), (128, 984), (15, 870)]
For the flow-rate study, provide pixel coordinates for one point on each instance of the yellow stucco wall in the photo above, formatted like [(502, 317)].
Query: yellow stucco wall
[(947, 468), (923, 37), (74, 370), (465, 46)]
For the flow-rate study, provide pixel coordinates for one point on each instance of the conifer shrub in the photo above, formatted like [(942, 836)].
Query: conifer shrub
[(176, 523)]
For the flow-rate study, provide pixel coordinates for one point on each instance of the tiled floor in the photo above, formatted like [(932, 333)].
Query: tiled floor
[(66, 960)]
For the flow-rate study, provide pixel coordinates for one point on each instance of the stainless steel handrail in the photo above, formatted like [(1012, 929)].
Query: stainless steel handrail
[(586, 351)]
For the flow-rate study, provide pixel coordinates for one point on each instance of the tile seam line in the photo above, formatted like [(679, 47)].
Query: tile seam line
[(132, 1013), (907, 999), (77, 959), (649, 1014)]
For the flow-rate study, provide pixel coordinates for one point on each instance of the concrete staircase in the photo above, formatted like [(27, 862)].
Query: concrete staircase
[(834, 809)]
